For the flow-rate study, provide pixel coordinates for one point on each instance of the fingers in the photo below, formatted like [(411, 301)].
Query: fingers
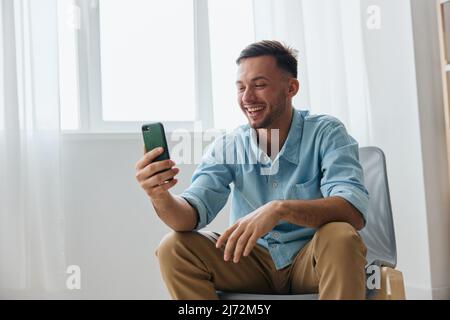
[(223, 238), (241, 245), (240, 241), (148, 158), (164, 187), (169, 184), (153, 169), (231, 243), (250, 245), (155, 177), (160, 178)]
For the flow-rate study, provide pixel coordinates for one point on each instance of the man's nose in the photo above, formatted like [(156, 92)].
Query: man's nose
[(248, 96)]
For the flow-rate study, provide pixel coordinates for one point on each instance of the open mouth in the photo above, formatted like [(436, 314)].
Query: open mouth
[(255, 112)]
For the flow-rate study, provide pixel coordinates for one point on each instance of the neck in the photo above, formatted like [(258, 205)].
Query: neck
[(283, 125)]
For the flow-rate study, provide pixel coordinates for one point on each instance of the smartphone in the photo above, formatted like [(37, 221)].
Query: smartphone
[(155, 137)]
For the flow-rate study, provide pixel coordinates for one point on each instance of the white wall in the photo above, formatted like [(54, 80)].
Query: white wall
[(434, 155), (112, 229), (407, 123)]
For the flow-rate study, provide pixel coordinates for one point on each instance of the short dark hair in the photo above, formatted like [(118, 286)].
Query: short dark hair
[(286, 57)]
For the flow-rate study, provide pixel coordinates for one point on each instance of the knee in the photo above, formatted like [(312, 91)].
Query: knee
[(172, 246), (339, 237)]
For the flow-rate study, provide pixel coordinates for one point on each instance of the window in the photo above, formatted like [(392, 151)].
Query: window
[(147, 60), (127, 62)]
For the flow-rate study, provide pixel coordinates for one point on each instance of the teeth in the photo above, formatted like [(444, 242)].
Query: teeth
[(255, 109)]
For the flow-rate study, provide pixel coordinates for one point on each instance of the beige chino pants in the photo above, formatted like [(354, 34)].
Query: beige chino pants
[(331, 264)]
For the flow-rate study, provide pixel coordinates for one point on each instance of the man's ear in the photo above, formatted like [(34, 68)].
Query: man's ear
[(294, 87)]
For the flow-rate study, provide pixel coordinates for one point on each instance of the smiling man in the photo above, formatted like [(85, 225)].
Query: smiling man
[(292, 231)]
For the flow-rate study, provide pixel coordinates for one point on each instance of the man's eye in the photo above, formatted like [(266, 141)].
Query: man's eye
[(260, 85), (240, 89)]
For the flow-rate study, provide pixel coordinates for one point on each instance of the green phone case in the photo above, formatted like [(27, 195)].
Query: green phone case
[(155, 137)]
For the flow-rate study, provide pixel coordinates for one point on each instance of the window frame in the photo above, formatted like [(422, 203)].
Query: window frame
[(89, 77)]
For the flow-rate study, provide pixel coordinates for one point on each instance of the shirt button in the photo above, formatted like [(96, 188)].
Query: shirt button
[(274, 246), (275, 185), (276, 235)]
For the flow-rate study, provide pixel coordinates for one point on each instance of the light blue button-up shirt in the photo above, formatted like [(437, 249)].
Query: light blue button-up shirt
[(319, 159)]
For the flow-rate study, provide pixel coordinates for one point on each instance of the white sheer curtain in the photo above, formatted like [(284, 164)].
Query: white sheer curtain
[(332, 68), (32, 251)]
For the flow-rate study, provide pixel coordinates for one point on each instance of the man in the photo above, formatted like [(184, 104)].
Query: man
[(293, 230)]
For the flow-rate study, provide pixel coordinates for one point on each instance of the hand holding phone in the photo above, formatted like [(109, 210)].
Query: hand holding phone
[(155, 170)]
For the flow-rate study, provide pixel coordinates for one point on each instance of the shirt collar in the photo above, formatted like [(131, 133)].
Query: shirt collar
[(291, 147)]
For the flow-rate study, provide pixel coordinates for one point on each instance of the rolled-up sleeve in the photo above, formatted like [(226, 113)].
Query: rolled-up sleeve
[(210, 187), (342, 174)]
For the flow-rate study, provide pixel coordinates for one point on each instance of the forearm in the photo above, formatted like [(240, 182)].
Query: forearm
[(175, 212), (315, 213)]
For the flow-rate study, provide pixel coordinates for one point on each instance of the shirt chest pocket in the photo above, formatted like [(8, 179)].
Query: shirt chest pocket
[(308, 190)]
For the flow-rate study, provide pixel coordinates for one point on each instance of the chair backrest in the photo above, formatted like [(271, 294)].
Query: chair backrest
[(378, 234)]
